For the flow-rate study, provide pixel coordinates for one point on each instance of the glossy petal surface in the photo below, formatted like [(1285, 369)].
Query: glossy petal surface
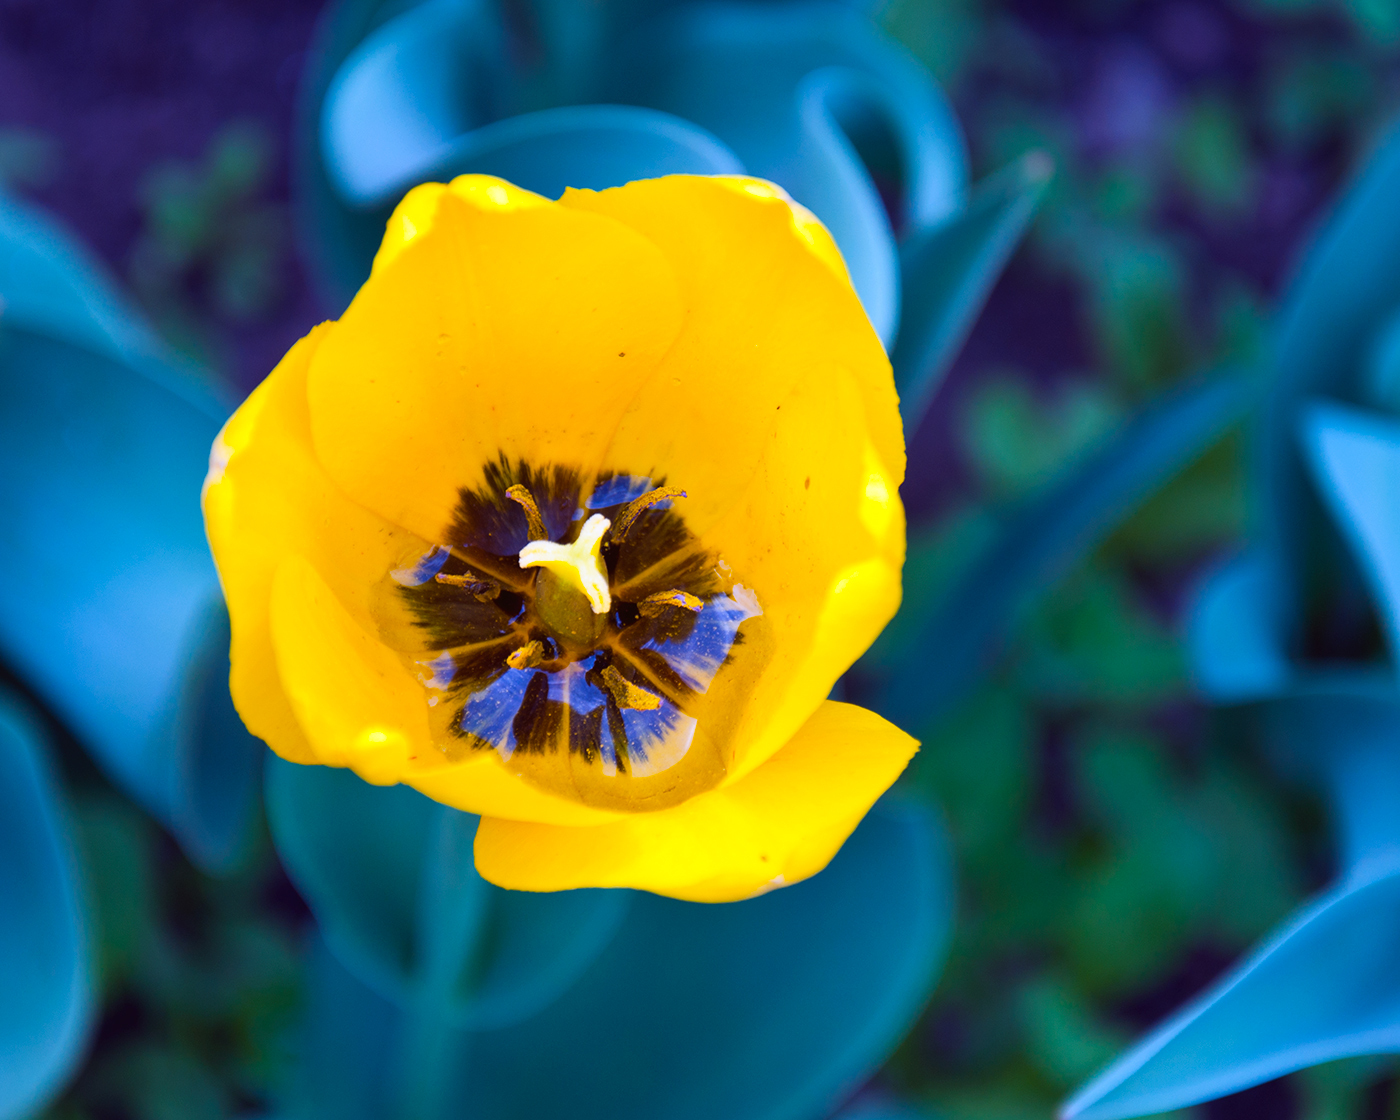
[(779, 824)]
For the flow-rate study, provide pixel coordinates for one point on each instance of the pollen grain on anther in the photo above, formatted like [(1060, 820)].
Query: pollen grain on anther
[(527, 656), (638, 506), (481, 589), (654, 605), (627, 694), (521, 496)]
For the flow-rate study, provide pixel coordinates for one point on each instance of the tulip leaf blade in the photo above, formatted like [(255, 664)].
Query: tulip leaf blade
[(45, 971), (948, 271), (1041, 540), (790, 1000)]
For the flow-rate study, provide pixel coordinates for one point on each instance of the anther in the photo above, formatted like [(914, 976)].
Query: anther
[(627, 694), (482, 590), (638, 506), (522, 497), (654, 605), (527, 656)]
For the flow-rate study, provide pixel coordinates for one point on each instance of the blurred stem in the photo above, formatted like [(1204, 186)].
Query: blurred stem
[(449, 929)]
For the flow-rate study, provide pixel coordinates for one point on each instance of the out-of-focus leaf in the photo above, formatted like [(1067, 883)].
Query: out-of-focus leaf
[(1198, 510), (1065, 1040), (1017, 443), (817, 99), (45, 975), (813, 97), (1313, 90), (109, 604), (979, 766), (1137, 901), (52, 285), (787, 1002), (1039, 543), (116, 843), (1093, 640), (402, 906), (1346, 292), (1212, 155), (948, 271), (1355, 457), (1326, 985), (1234, 631), (1382, 375), (169, 1085)]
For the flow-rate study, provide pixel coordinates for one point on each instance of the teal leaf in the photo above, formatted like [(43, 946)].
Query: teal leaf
[(390, 877), (109, 604), (404, 94), (1355, 459), (110, 607), (45, 974), (817, 99), (1038, 543), (1233, 632), (813, 97), (52, 285), (1324, 986), (775, 1007), (948, 272), (1345, 294)]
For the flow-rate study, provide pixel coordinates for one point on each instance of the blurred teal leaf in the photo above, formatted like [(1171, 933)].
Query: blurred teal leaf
[(1355, 458), (117, 847), (948, 270), (1093, 640), (775, 1007), (1345, 293), (813, 97), (1326, 985), (1017, 443), (1065, 1039), (52, 285), (1234, 631), (400, 903), (45, 974), (1212, 155), (1041, 540), (109, 604)]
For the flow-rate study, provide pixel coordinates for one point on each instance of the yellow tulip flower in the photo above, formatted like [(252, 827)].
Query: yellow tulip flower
[(572, 520)]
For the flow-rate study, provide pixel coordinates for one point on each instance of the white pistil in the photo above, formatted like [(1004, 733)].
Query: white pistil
[(580, 563)]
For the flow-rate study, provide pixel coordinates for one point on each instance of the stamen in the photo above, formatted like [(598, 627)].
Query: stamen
[(580, 563), (481, 589), (627, 694), (653, 605), (639, 506), (527, 656), (522, 497)]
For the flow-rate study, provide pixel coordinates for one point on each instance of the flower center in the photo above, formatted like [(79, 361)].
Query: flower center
[(576, 631), (572, 598)]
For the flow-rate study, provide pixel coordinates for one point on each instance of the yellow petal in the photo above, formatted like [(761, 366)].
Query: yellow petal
[(779, 825), (519, 329), (267, 497), (356, 702), (775, 410)]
